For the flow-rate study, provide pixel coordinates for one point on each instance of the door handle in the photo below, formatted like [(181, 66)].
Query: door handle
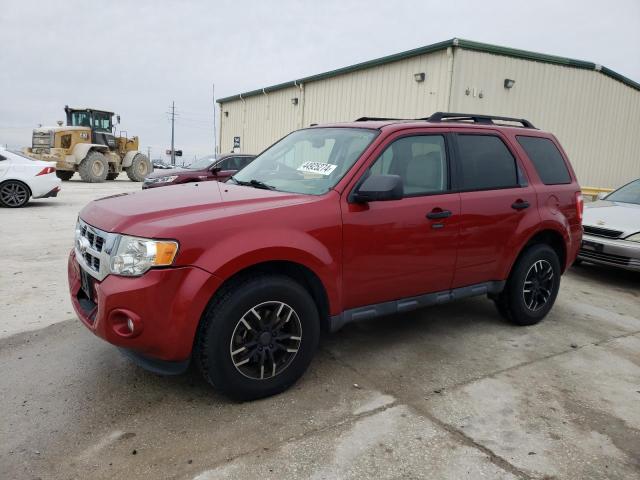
[(520, 205), (437, 213)]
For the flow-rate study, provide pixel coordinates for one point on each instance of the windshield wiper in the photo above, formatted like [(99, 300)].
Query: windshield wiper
[(252, 183)]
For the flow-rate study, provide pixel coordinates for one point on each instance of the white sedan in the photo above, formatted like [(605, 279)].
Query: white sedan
[(22, 178)]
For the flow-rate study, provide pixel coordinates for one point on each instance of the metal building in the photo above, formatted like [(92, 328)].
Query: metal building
[(594, 111)]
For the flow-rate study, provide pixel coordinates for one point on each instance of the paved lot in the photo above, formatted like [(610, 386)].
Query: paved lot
[(448, 392)]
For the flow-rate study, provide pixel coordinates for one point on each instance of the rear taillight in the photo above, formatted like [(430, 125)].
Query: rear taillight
[(579, 205), (46, 171)]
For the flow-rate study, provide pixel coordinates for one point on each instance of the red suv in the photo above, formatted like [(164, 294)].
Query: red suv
[(330, 225)]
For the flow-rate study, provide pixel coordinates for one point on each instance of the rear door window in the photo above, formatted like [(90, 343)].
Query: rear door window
[(486, 163), (547, 160)]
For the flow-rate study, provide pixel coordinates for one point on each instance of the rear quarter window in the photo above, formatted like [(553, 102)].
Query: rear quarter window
[(547, 160)]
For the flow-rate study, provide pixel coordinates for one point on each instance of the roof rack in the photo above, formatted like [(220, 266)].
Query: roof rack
[(484, 119), (376, 119)]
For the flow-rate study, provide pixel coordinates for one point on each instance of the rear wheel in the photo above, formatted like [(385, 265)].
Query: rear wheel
[(14, 194), (94, 168), (64, 175), (112, 175), (257, 337), (532, 287), (140, 168)]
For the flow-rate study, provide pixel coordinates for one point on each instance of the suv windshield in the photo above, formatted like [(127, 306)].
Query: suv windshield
[(630, 193), (202, 163), (307, 161)]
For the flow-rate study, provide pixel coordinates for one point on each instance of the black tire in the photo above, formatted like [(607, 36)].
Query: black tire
[(528, 304), (14, 194), (214, 346), (94, 168), (140, 168), (112, 175), (64, 175)]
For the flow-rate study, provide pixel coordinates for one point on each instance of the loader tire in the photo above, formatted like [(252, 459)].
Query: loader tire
[(94, 168), (64, 175), (140, 168)]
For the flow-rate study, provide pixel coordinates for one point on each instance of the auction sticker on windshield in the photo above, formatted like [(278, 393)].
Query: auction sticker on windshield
[(317, 167)]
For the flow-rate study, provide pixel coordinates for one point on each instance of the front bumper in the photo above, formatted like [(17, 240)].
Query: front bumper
[(612, 252), (165, 306)]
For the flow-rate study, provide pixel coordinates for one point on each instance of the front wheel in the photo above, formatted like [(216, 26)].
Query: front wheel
[(94, 168), (532, 287), (257, 337)]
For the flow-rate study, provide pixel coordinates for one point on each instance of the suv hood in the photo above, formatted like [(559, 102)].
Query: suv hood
[(613, 215), (162, 212)]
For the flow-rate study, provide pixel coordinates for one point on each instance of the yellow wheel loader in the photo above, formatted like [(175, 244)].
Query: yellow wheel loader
[(88, 145)]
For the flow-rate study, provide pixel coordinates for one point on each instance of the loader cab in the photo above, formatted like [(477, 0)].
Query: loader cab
[(100, 122)]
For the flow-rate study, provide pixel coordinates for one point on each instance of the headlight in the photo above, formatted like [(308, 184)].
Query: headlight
[(634, 238), (135, 255), (168, 178)]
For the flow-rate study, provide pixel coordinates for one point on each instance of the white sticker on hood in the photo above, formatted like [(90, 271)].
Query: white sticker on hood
[(317, 167)]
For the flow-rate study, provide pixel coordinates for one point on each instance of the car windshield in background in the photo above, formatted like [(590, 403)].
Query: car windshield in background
[(307, 161), (202, 163), (630, 193)]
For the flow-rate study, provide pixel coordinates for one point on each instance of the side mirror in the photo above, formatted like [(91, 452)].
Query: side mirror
[(118, 119), (602, 195), (378, 188), (215, 169)]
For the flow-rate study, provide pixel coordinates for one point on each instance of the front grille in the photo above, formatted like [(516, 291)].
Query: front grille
[(605, 257), (91, 253), (96, 241), (602, 232)]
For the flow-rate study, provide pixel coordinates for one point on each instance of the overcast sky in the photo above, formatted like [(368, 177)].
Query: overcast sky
[(135, 57)]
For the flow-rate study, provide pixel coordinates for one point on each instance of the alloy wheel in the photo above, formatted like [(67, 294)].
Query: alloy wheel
[(538, 285), (14, 194), (265, 340)]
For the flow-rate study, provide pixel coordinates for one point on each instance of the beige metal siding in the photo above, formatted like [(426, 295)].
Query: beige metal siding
[(259, 120), (596, 118), (387, 90), (383, 91)]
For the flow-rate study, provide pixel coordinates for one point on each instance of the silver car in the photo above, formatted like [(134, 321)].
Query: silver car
[(612, 229)]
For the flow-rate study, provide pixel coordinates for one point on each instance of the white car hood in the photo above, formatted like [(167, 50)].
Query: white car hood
[(624, 217)]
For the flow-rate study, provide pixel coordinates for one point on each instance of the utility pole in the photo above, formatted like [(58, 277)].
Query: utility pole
[(213, 93), (149, 153), (173, 119)]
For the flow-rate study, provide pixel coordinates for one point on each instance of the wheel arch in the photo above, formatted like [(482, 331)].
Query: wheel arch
[(6, 180), (127, 160), (548, 236), (302, 274), (81, 150)]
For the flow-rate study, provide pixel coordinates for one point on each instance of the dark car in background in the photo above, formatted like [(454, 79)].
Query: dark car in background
[(211, 167)]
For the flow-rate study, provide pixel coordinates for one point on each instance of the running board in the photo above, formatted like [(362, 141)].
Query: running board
[(368, 312)]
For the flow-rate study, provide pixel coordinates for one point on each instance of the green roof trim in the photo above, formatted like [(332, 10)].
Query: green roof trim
[(454, 42)]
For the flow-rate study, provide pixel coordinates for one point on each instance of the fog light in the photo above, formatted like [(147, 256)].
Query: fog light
[(130, 325)]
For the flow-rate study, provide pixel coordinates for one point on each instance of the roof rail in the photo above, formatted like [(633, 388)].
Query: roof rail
[(375, 119), (485, 119)]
